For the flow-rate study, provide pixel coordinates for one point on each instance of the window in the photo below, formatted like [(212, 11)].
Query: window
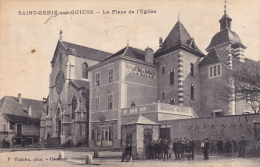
[(217, 113), (163, 95), (192, 95), (4, 127), (74, 105), (110, 101), (98, 133), (110, 133), (172, 101), (214, 71), (172, 77), (110, 75), (12, 125), (163, 69), (97, 104), (84, 70), (97, 79), (191, 69), (60, 60), (93, 135)]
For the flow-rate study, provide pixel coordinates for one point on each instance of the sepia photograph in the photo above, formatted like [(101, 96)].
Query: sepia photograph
[(130, 83)]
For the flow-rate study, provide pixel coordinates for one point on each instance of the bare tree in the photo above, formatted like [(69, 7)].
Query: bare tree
[(243, 84)]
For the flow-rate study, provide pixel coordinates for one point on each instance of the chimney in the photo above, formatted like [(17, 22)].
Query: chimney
[(20, 98), (238, 52), (149, 55), (61, 38), (30, 110), (44, 99), (160, 42)]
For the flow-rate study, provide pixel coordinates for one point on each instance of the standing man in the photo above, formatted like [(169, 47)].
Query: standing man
[(132, 104), (182, 147), (176, 148), (220, 145), (127, 153), (228, 147), (242, 147), (206, 149), (165, 149), (192, 148)]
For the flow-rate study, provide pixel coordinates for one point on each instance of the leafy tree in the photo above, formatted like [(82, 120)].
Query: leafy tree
[(243, 84)]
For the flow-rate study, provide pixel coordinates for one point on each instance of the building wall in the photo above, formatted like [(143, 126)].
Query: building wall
[(31, 129), (209, 101), (103, 90), (139, 88), (229, 127), (170, 61)]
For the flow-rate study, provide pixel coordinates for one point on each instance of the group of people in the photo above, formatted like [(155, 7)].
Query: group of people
[(164, 148), (185, 148), (228, 147)]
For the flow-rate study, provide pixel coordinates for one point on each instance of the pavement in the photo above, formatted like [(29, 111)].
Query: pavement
[(77, 157)]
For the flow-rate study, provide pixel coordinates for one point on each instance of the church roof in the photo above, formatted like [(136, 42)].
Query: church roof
[(224, 36), (78, 84), (18, 112), (87, 52), (130, 52), (141, 121), (178, 37)]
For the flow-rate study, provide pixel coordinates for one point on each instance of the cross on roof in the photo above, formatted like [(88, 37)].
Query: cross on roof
[(225, 7)]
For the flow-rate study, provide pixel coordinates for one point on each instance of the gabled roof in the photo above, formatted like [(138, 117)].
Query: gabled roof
[(212, 57), (224, 36), (178, 37), (15, 111), (130, 52), (80, 84), (141, 121), (86, 52), (81, 51)]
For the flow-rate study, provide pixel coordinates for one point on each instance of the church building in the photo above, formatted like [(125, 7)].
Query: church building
[(93, 94)]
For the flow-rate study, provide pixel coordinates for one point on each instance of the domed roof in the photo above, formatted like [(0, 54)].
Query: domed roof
[(226, 35)]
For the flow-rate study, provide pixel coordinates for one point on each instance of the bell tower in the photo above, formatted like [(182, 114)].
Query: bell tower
[(225, 21)]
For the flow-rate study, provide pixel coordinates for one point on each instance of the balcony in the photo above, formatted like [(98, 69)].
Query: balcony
[(159, 108)]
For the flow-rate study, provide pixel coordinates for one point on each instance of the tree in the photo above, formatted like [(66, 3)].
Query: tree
[(243, 84)]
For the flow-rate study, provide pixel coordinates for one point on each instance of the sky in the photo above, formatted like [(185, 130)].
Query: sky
[(28, 41)]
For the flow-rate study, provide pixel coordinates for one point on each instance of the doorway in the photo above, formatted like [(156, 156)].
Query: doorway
[(104, 135), (165, 134), (19, 129)]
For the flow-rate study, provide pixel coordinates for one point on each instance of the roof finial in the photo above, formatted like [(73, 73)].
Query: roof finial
[(60, 35), (178, 15), (225, 7)]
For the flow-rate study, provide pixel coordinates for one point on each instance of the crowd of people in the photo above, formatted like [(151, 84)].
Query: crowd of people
[(184, 148)]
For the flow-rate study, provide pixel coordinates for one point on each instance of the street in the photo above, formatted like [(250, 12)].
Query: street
[(73, 158)]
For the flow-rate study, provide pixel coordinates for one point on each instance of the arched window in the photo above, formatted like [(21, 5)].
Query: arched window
[(74, 105), (84, 70), (58, 113)]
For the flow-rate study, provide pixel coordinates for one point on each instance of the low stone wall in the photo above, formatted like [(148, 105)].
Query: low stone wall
[(228, 127)]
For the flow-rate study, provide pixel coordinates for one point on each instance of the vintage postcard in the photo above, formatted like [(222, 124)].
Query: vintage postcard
[(130, 83)]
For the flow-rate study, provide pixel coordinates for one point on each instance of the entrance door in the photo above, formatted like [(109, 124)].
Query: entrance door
[(19, 129), (105, 133), (59, 128), (148, 137), (165, 134)]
